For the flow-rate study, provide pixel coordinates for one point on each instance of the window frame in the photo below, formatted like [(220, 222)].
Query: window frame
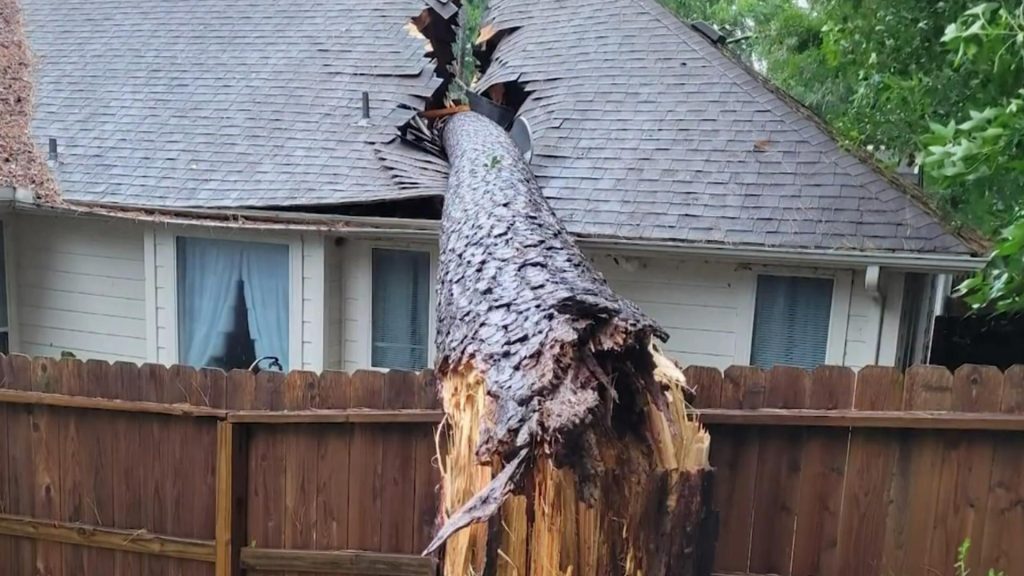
[(367, 280), (167, 306), (839, 317)]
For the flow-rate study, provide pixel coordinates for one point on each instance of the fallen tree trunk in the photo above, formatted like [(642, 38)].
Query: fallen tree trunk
[(569, 446)]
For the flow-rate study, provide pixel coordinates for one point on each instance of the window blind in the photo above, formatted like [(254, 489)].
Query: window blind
[(401, 302), (791, 321)]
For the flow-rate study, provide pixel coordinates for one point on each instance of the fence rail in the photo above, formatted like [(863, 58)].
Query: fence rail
[(120, 469)]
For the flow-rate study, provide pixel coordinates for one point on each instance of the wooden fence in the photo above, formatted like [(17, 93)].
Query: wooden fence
[(125, 470), (836, 473)]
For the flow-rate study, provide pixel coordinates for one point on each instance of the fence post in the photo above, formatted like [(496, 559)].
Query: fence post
[(231, 506)]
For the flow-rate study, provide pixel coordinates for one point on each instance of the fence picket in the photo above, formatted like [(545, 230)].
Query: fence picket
[(778, 476), (300, 466), (822, 476), (920, 459), (266, 514), (428, 475), (129, 450), (965, 471), (1004, 516), (333, 470), (869, 472), (7, 544), (366, 462), (734, 455)]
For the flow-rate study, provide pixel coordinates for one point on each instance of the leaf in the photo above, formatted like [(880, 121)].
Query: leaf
[(968, 285), (975, 28), (952, 31), (982, 9)]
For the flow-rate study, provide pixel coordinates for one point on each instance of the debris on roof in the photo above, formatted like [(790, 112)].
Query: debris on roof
[(21, 163)]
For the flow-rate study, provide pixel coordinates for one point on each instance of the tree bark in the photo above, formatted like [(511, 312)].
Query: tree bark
[(564, 420)]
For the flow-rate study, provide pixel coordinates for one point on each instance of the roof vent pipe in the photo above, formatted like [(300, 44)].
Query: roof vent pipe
[(53, 150), (709, 32), (366, 105)]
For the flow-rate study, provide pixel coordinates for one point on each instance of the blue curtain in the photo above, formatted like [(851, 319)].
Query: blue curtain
[(265, 277), (208, 273), (208, 276)]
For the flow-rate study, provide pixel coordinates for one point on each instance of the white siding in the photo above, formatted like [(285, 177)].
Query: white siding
[(166, 296), (705, 308), (312, 302), (81, 287), (107, 289), (355, 287), (873, 330)]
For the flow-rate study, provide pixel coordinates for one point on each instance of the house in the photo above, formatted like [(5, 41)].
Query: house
[(232, 186)]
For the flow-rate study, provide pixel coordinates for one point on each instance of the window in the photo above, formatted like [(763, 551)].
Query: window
[(791, 321), (401, 303), (232, 303), (5, 327)]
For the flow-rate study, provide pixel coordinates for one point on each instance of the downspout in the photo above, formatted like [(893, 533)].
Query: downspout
[(872, 285), (943, 286)]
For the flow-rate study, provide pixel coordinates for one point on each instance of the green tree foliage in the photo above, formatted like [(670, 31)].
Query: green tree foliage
[(876, 70), (465, 66), (982, 157), (932, 82)]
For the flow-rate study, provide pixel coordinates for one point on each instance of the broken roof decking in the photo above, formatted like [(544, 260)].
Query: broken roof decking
[(642, 129)]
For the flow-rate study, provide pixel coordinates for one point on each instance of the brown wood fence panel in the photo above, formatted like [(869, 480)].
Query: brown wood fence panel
[(806, 487), (102, 469), (128, 484), (821, 473)]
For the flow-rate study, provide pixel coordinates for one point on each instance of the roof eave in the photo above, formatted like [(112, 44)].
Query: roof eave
[(907, 261), (429, 230)]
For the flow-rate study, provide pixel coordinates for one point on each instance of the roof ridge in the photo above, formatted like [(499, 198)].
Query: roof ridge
[(918, 197)]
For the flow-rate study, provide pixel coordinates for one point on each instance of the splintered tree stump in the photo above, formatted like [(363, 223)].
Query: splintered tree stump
[(569, 447)]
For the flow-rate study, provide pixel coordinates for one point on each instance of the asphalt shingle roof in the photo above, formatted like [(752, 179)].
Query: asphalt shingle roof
[(642, 129)]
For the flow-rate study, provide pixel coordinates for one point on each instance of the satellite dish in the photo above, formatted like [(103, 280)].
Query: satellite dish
[(523, 137)]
